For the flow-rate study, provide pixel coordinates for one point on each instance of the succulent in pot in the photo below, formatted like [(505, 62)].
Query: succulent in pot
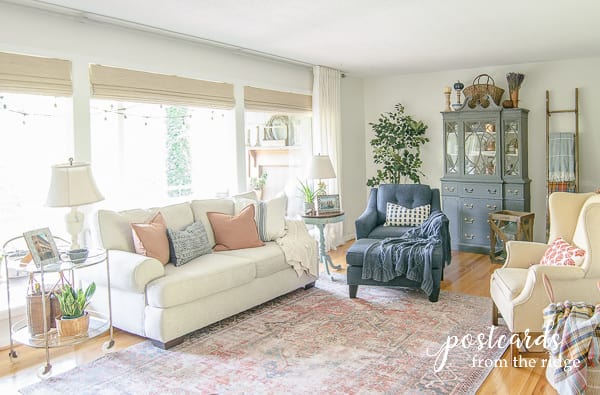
[(74, 320)]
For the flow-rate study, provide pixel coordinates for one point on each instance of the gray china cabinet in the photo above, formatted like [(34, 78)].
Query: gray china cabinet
[(485, 170)]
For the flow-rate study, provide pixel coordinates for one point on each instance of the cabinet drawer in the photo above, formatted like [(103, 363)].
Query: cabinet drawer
[(479, 207), (475, 235), (449, 188), (481, 190), (512, 191)]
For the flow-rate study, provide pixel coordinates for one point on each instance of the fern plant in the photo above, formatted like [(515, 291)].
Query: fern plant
[(73, 303)]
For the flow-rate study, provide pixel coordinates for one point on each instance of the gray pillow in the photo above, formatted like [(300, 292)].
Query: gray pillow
[(187, 244)]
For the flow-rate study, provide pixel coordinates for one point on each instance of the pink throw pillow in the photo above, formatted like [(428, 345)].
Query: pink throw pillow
[(561, 253), (150, 239), (235, 232)]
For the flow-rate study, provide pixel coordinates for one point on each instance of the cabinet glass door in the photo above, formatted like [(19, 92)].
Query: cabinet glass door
[(451, 147), (480, 147), (512, 158)]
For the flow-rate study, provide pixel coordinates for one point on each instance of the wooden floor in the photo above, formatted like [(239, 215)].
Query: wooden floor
[(469, 273)]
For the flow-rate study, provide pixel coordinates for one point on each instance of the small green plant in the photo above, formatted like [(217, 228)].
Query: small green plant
[(259, 182), (73, 303), (308, 193)]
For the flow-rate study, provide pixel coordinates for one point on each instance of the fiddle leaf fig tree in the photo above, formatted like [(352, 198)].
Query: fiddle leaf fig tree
[(397, 148)]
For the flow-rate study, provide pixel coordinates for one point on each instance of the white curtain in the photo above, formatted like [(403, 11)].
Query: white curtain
[(327, 134)]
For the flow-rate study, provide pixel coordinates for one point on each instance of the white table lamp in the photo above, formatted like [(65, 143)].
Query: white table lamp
[(320, 168), (73, 185)]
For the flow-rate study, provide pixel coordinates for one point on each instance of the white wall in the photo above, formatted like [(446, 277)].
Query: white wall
[(421, 94), (33, 32), (353, 153)]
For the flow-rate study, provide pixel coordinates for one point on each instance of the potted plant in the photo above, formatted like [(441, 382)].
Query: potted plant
[(74, 320), (397, 147), (258, 184), (309, 194)]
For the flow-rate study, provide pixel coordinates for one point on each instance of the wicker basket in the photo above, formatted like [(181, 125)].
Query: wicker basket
[(35, 320), (478, 91)]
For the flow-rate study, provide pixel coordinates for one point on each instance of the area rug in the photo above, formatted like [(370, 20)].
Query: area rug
[(312, 341)]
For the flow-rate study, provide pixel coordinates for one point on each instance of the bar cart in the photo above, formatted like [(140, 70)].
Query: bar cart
[(13, 252)]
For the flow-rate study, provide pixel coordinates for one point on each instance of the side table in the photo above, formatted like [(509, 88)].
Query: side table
[(509, 225), (320, 221)]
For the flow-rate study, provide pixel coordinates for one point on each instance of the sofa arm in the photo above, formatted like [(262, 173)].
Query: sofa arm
[(559, 276), (366, 223), (128, 271), (523, 254)]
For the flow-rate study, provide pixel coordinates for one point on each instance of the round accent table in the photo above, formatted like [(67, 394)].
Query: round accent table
[(320, 221)]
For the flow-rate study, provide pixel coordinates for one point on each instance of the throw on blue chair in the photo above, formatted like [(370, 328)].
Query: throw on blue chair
[(402, 239)]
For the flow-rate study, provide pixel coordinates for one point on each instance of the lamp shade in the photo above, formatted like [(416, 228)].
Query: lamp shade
[(72, 185), (320, 168)]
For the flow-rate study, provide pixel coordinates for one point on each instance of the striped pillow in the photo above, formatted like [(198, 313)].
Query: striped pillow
[(270, 215), (397, 215)]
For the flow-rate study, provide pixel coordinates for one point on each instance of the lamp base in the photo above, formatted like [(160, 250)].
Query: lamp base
[(74, 220)]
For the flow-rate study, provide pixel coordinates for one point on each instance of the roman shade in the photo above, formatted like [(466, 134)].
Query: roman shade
[(256, 99), (32, 74), (139, 86)]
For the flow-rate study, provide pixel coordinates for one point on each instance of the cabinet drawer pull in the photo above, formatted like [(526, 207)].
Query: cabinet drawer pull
[(469, 190), (492, 191), (513, 191), (469, 236), (449, 189), (491, 206), (469, 220), (468, 205)]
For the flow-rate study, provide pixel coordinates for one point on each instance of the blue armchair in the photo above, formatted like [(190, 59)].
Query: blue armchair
[(370, 229)]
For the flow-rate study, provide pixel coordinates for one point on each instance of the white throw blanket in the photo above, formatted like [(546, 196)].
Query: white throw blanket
[(300, 248)]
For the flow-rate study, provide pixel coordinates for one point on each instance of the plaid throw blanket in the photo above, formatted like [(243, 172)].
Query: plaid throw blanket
[(409, 255), (574, 327)]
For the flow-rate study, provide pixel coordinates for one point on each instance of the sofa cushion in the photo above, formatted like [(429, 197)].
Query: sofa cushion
[(356, 252), (381, 232), (561, 253), (268, 259), (398, 215), (201, 207), (150, 239), (269, 215), (233, 232), (188, 243), (510, 281), (407, 195), (203, 276), (115, 227)]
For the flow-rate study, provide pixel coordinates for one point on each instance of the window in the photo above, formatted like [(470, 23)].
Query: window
[(146, 155), (35, 133), (278, 148)]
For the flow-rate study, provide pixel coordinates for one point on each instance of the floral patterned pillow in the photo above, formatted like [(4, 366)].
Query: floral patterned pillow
[(562, 253)]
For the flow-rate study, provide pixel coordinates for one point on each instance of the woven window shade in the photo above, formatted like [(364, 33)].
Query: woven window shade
[(138, 86), (32, 74), (257, 99)]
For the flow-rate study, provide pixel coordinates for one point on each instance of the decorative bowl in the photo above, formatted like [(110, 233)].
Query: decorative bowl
[(78, 256)]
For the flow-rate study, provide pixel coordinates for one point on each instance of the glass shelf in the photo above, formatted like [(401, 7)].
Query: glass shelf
[(95, 257), (20, 332)]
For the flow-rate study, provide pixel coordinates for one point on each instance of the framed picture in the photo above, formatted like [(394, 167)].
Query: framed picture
[(328, 204), (42, 247)]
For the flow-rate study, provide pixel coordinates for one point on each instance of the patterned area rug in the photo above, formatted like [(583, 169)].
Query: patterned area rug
[(315, 341)]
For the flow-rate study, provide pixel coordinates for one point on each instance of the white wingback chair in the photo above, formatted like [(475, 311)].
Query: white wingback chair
[(517, 288)]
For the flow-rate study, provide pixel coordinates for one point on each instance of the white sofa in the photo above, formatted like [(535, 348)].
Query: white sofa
[(164, 303)]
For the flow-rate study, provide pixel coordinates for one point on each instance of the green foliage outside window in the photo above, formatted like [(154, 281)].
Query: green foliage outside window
[(179, 161)]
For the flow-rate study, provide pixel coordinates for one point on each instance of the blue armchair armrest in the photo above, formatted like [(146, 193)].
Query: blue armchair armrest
[(368, 219)]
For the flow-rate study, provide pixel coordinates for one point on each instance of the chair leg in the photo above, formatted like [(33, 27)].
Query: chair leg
[(514, 353), (434, 295), (494, 314), (352, 289)]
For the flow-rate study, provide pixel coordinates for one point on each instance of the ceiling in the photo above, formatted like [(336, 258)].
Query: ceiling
[(370, 37)]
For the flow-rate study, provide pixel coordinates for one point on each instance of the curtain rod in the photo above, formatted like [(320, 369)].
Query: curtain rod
[(84, 16)]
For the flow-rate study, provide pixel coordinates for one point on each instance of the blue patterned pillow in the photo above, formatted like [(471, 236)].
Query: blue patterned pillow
[(187, 244), (397, 215)]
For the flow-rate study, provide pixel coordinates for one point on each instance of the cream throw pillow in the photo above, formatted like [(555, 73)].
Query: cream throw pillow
[(270, 215)]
